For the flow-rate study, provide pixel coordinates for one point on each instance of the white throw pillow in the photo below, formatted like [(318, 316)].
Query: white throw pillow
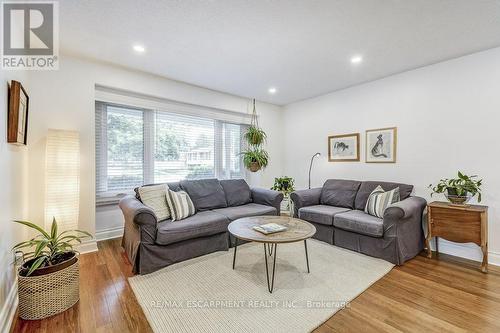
[(180, 205), (154, 198), (379, 200)]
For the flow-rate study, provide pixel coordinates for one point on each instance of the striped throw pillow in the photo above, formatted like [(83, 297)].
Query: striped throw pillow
[(180, 205), (379, 200)]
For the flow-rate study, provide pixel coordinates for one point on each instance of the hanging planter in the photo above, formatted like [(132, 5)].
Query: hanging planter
[(254, 166), (255, 136), (255, 158)]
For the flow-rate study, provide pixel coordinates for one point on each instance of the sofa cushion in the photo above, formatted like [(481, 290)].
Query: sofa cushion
[(199, 225), (205, 193), (359, 222), (237, 192), (251, 209), (321, 214), (339, 193), (367, 188)]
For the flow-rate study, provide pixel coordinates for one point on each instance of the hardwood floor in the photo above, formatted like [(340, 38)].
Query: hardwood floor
[(444, 295)]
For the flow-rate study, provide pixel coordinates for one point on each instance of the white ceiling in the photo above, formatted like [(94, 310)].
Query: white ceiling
[(301, 47)]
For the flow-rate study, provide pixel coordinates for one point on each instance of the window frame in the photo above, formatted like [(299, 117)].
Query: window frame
[(149, 136)]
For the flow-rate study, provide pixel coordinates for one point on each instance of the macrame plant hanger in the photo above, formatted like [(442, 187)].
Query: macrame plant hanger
[(254, 122)]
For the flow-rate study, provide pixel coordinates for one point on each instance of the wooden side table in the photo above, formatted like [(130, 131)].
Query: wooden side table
[(458, 223)]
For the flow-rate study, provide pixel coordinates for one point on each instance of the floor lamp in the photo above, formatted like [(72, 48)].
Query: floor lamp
[(310, 167)]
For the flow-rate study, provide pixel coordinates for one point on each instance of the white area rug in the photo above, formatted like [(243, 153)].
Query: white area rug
[(206, 295)]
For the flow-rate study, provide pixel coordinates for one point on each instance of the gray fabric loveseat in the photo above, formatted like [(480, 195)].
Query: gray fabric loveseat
[(151, 244), (337, 212)]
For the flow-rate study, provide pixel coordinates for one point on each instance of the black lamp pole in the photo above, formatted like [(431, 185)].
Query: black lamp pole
[(310, 167)]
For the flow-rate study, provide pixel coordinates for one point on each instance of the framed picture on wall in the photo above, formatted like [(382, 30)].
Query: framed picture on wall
[(17, 126), (381, 145), (343, 148)]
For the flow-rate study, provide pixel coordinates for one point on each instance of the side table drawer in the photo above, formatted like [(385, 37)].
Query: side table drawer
[(456, 226)]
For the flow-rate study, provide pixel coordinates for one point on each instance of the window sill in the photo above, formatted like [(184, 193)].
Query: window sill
[(109, 201)]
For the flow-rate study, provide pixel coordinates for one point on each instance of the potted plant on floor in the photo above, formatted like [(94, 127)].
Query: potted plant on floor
[(286, 186), (459, 190), (48, 279)]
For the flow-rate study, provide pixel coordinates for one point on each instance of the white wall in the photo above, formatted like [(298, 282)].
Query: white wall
[(64, 99), (13, 200), (448, 118)]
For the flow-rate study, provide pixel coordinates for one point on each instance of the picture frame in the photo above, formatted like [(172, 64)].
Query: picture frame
[(17, 126), (343, 148), (381, 145)]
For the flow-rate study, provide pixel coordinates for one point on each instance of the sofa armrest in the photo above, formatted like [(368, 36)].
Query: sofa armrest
[(140, 222), (267, 197), (136, 211), (304, 198), (405, 209)]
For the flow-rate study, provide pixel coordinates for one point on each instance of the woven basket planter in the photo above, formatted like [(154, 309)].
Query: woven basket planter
[(47, 295), (254, 167)]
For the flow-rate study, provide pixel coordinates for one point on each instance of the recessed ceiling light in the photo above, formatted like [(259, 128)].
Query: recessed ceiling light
[(356, 59), (139, 48), (272, 90)]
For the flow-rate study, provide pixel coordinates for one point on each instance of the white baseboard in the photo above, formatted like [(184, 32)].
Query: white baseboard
[(87, 247), (467, 251), (9, 310), (493, 258), (109, 233)]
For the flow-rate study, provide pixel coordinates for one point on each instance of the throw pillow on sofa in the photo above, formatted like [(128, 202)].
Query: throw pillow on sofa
[(154, 198), (180, 205), (379, 200)]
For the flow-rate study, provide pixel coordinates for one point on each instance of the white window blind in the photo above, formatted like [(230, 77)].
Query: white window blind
[(141, 146)]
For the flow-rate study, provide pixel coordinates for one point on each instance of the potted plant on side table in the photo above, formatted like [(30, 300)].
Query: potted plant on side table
[(286, 186), (48, 279), (459, 190)]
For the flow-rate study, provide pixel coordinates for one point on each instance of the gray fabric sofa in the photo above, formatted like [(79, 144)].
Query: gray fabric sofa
[(337, 212), (151, 244)]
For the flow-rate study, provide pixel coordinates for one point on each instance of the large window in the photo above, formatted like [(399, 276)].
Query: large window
[(140, 146)]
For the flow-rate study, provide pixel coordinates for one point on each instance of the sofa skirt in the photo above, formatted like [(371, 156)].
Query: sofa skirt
[(152, 257), (386, 248), (323, 233)]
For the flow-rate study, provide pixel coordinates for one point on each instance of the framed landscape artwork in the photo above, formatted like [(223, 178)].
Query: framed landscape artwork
[(343, 148), (381, 145), (17, 126)]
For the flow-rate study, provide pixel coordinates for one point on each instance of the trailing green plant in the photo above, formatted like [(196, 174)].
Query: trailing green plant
[(48, 248), (256, 155), (255, 136), (284, 184), (461, 186)]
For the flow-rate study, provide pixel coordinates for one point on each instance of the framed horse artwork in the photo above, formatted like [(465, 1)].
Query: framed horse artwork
[(343, 148)]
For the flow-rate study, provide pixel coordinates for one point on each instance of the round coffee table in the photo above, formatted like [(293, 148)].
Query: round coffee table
[(297, 230)]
